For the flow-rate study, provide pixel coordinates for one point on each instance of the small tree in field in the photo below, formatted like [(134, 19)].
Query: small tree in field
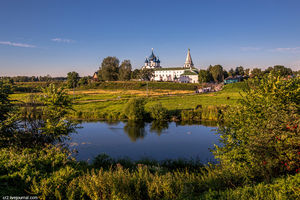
[(135, 109), (57, 105), (158, 112), (125, 71), (262, 136), (72, 79), (109, 69)]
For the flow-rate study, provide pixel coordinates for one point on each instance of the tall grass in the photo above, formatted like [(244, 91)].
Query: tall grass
[(50, 174)]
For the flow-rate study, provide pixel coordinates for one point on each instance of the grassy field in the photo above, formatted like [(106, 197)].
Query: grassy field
[(99, 103)]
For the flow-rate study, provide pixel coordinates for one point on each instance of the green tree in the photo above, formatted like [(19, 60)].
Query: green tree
[(135, 109), (84, 81), (204, 76), (109, 69), (217, 73), (72, 79), (239, 71), (247, 72), (158, 112), (7, 116), (256, 72), (282, 70), (135, 74), (146, 74), (225, 74), (125, 71), (261, 138), (231, 72)]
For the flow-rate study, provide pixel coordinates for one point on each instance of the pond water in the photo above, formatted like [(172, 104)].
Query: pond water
[(137, 140)]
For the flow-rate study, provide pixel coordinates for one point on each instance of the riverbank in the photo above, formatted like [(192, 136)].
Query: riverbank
[(49, 173)]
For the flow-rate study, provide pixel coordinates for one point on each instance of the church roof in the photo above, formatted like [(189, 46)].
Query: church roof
[(187, 72), (188, 59), (152, 56)]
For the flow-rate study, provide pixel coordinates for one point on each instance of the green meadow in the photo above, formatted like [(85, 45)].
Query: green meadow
[(99, 103)]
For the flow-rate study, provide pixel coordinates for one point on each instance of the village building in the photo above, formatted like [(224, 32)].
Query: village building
[(186, 74), (95, 77), (234, 79)]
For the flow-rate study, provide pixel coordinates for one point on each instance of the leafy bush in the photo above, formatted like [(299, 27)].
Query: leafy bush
[(261, 136), (135, 109), (158, 112)]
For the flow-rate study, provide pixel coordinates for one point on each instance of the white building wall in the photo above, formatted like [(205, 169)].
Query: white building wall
[(188, 79), (167, 75)]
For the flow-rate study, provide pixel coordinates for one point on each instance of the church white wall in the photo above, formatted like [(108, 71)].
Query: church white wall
[(188, 79)]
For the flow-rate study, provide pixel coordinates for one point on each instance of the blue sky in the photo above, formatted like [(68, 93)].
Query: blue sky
[(55, 36)]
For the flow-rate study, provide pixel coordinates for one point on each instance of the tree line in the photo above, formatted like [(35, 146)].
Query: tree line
[(217, 73), (47, 78), (112, 70)]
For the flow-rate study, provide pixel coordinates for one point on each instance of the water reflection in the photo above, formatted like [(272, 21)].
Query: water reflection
[(158, 126), (136, 140), (135, 130)]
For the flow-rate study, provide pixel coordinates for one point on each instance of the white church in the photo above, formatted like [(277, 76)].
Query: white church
[(186, 74)]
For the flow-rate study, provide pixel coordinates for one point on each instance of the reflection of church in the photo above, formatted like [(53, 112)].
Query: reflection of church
[(186, 74)]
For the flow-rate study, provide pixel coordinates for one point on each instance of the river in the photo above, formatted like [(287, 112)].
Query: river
[(137, 140)]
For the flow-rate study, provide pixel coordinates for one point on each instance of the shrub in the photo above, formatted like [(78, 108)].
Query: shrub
[(158, 112), (135, 109), (261, 136)]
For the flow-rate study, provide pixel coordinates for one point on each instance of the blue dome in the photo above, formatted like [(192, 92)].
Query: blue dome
[(146, 61), (152, 56)]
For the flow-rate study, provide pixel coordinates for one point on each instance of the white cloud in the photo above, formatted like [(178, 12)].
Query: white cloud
[(63, 40), (14, 44), (287, 49), (250, 48)]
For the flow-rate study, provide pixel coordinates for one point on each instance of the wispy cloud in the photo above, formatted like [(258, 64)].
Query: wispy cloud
[(250, 48), (287, 49), (63, 40), (14, 44)]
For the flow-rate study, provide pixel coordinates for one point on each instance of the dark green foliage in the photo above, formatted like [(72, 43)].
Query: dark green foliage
[(135, 74), (109, 69), (231, 72), (256, 72), (8, 117), (125, 71), (56, 105), (261, 137), (40, 121), (217, 73), (84, 81), (146, 74), (158, 112), (204, 76), (135, 109), (72, 79), (239, 71), (282, 71)]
